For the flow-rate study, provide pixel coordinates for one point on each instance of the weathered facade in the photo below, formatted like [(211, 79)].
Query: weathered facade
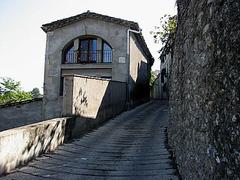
[(166, 59), (21, 113), (95, 45), (161, 84), (205, 90)]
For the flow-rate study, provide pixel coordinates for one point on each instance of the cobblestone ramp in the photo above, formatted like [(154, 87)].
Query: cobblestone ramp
[(130, 146)]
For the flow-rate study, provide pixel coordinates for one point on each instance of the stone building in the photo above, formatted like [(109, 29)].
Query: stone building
[(95, 45), (164, 74), (166, 58)]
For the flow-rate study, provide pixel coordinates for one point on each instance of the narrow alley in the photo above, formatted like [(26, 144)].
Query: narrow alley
[(130, 146)]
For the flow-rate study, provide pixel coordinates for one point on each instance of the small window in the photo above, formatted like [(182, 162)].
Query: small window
[(61, 86)]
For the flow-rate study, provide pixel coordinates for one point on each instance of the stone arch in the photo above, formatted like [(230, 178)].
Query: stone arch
[(87, 49)]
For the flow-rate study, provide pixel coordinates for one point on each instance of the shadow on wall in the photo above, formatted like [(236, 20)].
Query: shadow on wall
[(139, 88), (92, 101), (20, 145), (82, 99)]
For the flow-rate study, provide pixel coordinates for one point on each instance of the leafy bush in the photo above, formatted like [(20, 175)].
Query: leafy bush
[(11, 92)]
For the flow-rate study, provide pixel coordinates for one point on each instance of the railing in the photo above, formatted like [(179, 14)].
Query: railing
[(97, 56)]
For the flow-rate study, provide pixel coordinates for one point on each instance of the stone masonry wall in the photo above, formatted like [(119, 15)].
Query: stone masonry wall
[(204, 126), (20, 114)]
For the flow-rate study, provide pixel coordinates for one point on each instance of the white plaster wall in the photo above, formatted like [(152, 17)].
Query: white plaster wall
[(93, 98)]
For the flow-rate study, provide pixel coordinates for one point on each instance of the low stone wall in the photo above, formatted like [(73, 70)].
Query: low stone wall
[(20, 145), (20, 114), (93, 98)]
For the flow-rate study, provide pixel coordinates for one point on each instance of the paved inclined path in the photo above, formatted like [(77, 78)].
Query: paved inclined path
[(130, 146)]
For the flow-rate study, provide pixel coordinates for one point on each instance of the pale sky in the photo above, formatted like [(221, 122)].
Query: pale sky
[(22, 42)]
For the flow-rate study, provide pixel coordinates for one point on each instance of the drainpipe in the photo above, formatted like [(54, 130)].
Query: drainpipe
[(128, 38), (128, 58)]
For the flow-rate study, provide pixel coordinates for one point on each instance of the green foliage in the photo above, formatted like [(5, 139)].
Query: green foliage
[(36, 93), (152, 79), (10, 92), (166, 30), (9, 84)]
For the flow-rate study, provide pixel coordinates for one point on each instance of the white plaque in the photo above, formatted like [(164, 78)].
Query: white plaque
[(121, 60)]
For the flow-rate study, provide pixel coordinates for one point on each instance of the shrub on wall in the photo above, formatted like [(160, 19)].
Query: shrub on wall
[(11, 92)]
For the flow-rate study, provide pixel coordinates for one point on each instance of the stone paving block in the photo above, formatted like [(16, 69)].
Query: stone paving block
[(130, 146)]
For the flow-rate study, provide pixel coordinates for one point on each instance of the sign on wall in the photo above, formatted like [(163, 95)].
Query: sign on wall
[(121, 60)]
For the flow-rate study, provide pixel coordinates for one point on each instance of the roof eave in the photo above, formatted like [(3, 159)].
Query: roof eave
[(70, 20)]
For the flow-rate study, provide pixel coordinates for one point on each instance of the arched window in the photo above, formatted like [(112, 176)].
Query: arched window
[(88, 50)]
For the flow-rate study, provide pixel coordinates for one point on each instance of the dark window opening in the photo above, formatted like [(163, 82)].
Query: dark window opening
[(106, 77), (61, 86), (88, 51), (163, 74)]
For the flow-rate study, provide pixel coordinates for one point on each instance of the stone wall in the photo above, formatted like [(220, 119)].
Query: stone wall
[(20, 145), (92, 98), (89, 101), (204, 123), (21, 113)]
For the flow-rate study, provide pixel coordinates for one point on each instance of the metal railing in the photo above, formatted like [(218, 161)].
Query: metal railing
[(96, 56)]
